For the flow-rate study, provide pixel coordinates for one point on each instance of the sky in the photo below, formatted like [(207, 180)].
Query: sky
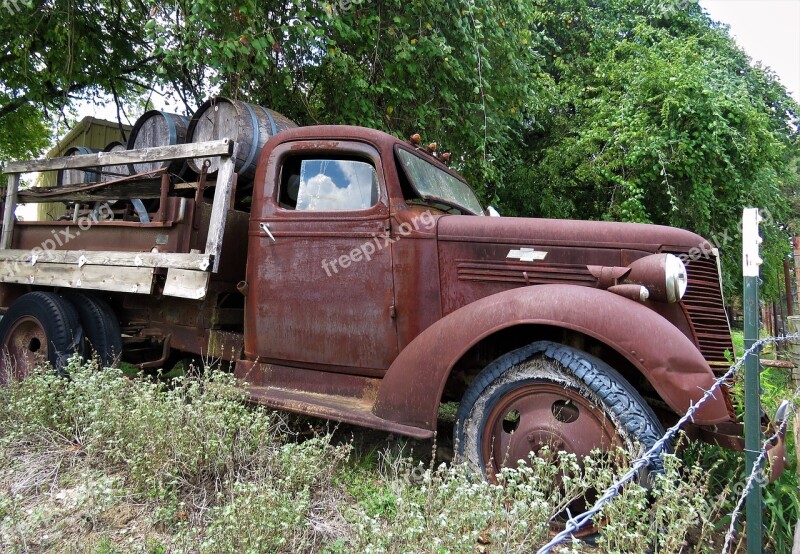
[(768, 30)]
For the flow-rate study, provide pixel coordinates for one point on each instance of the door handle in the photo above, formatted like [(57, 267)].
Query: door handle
[(265, 228)]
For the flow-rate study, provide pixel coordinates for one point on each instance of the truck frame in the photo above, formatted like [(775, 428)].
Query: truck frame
[(375, 304)]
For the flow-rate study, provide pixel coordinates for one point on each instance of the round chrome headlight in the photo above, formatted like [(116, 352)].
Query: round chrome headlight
[(676, 278)]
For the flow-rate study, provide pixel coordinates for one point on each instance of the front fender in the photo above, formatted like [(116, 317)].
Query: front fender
[(413, 385)]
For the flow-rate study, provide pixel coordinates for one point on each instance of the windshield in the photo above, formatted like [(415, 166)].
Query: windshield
[(431, 183)]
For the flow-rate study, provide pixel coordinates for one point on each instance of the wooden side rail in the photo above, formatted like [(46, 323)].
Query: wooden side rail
[(225, 183), (222, 147)]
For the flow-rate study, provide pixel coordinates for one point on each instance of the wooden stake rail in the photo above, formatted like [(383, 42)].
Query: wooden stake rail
[(76, 268), (138, 188), (222, 147)]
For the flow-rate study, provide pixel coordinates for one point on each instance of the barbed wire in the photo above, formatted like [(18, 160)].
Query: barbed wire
[(752, 478), (575, 523)]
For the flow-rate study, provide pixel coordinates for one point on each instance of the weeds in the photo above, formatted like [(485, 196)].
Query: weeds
[(104, 463)]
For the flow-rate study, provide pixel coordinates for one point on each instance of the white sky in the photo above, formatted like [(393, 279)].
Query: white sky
[(768, 30)]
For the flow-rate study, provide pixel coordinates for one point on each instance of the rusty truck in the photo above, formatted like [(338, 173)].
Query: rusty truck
[(356, 277)]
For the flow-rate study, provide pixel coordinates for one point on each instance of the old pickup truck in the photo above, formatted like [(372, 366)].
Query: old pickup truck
[(358, 278)]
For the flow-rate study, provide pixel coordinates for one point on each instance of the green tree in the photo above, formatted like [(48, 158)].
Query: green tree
[(659, 118), (459, 72), (23, 134), (55, 52), (629, 110)]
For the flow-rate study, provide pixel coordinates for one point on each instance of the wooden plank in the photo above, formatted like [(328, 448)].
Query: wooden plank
[(111, 173), (136, 189), (793, 324), (184, 283), (783, 364), (8, 213), (199, 262), (89, 186), (226, 180), (136, 280), (796, 546), (221, 147)]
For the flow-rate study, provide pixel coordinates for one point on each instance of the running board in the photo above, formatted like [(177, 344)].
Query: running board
[(345, 409)]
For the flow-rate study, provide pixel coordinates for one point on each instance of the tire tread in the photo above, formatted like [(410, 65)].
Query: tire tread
[(616, 393)]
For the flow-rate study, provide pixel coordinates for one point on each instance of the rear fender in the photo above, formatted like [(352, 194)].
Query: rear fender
[(412, 388)]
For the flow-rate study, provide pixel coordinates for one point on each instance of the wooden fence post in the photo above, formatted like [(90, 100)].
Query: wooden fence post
[(793, 326), (796, 254), (796, 547)]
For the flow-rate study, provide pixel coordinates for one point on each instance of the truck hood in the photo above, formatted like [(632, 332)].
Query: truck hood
[(596, 234)]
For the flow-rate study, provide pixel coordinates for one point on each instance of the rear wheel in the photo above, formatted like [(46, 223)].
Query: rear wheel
[(100, 325), (39, 327), (547, 394)]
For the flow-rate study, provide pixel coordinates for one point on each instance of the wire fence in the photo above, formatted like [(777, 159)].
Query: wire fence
[(751, 479), (576, 523)]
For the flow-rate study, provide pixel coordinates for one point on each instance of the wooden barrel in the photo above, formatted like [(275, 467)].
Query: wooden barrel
[(77, 176), (157, 128), (114, 172), (249, 125)]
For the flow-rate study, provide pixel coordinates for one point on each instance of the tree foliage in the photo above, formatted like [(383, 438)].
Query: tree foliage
[(658, 118), (461, 71), (629, 110), (55, 52)]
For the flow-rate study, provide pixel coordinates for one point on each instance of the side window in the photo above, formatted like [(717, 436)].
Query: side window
[(328, 185)]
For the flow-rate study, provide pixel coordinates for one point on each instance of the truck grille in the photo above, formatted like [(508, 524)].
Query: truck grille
[(704, 305)]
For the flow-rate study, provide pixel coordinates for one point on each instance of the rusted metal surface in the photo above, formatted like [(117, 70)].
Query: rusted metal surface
[(327, 406), (471, 264), (664, 355), (337, 396), (309, 380), (227, 345), (705, 311), (23, 348), (159, 362), (730, 435), (373, 343), (301, 310), (544, 414), (163, 205), (170, 235)]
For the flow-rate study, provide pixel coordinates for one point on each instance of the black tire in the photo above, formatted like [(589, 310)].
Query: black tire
[(576, 371), (100, 326), (58, 321)]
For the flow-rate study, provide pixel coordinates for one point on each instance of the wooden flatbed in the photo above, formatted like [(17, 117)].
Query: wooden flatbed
[(26, 259)]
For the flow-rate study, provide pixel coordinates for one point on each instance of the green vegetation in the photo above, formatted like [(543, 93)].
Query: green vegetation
[(631, 110), (104, 463), (782, 498)]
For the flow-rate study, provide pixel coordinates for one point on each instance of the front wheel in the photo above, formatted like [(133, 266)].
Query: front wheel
[(548, 394)]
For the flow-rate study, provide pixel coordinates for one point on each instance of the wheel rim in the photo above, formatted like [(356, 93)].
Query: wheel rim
[(24, 347), (542, 414)]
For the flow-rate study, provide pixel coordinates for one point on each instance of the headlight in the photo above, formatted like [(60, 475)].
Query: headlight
[(676, 278), (664, 275)]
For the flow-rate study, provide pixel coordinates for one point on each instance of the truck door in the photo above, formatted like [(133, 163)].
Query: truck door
[(320, 263)]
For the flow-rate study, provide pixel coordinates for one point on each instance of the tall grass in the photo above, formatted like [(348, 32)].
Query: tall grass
[(103, 463)]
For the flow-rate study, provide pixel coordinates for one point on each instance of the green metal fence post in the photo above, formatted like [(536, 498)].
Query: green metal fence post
[(752, 385)]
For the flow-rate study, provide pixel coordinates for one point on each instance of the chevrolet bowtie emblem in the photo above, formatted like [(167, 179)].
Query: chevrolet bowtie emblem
[(527, 254)]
